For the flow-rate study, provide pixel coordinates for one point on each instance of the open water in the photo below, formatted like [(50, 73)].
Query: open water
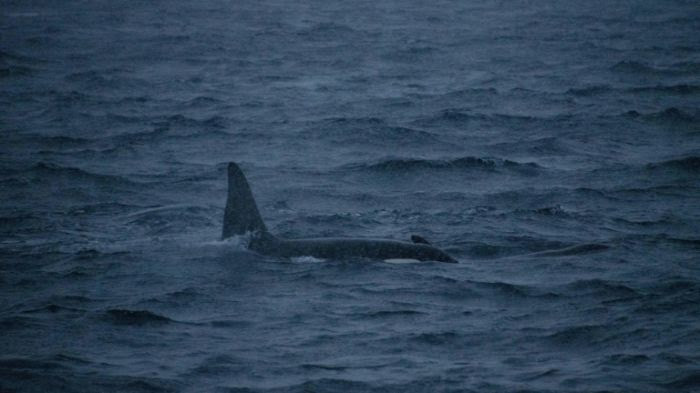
[(553, 147)]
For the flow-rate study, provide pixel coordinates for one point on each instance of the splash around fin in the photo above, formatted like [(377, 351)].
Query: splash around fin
[(241, 216)]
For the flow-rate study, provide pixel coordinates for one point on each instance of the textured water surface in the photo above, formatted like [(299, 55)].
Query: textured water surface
[(552, 147)]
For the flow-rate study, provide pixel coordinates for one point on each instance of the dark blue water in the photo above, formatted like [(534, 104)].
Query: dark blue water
[(552, 147)]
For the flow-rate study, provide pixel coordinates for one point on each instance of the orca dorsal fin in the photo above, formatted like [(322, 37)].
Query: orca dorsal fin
[(241, 214), (419, 240)]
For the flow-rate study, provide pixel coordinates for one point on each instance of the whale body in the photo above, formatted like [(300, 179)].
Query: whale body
[(241, 216)]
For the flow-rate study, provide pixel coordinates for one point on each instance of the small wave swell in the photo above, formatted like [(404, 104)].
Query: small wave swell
[(629, 66), (120, 316), (687, 382), (599, 287), (645, 69), (670, 115), (579, 335), (578, 249), (47, 171), (689, 164), (15, 71), (364, 129), (327, 30), (475, 163), (392, 313), (680, 89), (622, 359), (436, 338)]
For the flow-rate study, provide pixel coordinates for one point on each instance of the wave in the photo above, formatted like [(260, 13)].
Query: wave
[(53, 309), (578, 249), (214, 122), (328, 385), (547, 211), (676, 287), (140, 99), (127, 383), (391, 313), (583, 335), (202, 101), (510, 246), (410, 53), (57, 141), (220, 365), (355, 121), (105, 78), (459, 117), (626, 193), (629, 66), (5, 55), (484, 250), (533, 376), (690, 67), (29, 364), (326, 30), (167, 220), (468, 93), (15, 71), (316, 366), (368, 129), (661, 238), (135, 317), (623, 359), (680, 89), (230, 324), (680, 296), (176, 127), (412, 164), (674, 358), (548, 146), (43, 171), (435, 338), (689, 242), (176, 298), (641, 68), (598, 287), (590, 90), (554, 211), (689, 164), (509, 291), (95, 154), (660, 222), (69, 98), (63, 358), (668, 115), (18, 323), (168, 38), (689, 380)]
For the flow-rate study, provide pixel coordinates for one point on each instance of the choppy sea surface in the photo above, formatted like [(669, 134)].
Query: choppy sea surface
[(553, 147)]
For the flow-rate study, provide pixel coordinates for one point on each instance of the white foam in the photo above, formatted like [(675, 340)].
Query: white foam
[(307, 259), (401, 261), (236, 242)]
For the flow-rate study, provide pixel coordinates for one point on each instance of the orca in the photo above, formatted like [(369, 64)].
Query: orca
[(241, 216)]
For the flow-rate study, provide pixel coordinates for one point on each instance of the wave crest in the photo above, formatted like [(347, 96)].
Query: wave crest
[(412, 164), (120, 316)]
